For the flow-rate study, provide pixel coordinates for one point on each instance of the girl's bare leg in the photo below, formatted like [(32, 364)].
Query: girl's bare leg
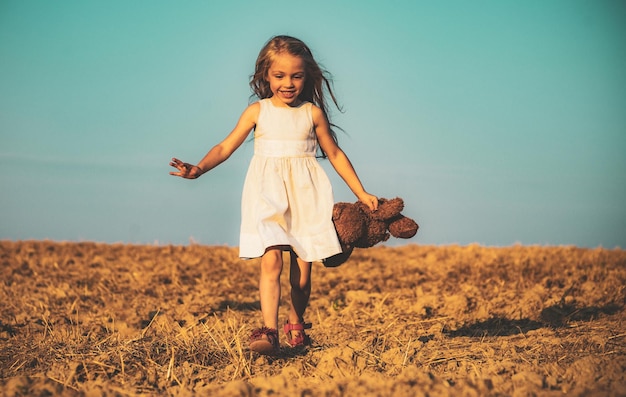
[(300, 280), (269, 286)]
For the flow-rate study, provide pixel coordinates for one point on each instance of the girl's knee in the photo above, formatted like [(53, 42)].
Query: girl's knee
[(272, 262), (300, 274), (302, 284)]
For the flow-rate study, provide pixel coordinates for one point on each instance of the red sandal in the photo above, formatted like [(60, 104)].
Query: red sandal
[(265, 341), (299, 340)]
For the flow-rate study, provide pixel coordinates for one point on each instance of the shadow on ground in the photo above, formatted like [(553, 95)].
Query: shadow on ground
[(556, 316)]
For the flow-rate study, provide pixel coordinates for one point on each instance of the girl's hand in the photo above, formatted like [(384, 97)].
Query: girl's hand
[(185, 170), (370, 200)]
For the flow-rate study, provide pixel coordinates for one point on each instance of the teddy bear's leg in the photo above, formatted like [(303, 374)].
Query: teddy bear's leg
[(338, 259), (403, 227)]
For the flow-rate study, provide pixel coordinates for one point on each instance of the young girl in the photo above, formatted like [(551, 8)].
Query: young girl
[(287, 198)]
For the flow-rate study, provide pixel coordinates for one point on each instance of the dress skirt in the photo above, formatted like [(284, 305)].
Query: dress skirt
[(287, 200)]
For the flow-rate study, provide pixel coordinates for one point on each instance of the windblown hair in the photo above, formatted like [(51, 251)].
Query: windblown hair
[(317, 81)]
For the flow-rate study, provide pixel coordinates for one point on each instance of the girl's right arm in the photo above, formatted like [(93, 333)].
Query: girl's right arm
[(222, 151)]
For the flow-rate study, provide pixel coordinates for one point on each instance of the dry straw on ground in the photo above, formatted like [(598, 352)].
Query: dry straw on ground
[(86, 319)]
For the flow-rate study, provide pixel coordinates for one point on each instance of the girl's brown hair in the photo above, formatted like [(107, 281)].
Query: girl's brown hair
[(316, 82)]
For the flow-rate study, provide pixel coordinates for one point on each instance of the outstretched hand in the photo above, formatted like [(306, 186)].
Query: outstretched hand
[(185, 170)]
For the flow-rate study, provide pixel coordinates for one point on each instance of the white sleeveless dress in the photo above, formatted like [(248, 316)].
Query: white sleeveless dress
[(287, 197)]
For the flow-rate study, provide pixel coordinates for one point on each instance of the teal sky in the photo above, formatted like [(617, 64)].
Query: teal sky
[(498, 122)]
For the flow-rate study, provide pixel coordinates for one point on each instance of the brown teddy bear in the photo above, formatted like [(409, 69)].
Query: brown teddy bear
[(358, 227)]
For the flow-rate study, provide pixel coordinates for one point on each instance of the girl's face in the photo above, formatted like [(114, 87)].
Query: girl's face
[(286, 79)]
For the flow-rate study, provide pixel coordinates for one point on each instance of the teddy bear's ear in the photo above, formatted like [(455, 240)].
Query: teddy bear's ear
[(388, 209), (403, 227), (338, 208)]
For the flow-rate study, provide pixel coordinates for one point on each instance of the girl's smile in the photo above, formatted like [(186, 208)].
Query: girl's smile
[(286, 79)]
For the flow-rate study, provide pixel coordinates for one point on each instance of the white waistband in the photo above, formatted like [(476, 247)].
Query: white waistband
[(282, 148)]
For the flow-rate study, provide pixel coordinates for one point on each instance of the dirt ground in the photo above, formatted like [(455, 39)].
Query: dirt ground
[(87, 319)]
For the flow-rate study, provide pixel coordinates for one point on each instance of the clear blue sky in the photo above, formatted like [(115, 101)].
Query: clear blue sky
[(498, 122)]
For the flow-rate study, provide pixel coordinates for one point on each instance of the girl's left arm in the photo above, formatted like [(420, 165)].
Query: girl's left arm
[(339, 160)]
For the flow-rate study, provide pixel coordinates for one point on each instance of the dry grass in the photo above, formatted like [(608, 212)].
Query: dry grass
[(88, 319)]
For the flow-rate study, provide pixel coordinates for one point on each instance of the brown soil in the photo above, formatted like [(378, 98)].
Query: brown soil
[(87, 319)]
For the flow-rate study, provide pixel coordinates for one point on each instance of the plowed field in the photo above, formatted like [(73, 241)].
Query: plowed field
[(87, 319)]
